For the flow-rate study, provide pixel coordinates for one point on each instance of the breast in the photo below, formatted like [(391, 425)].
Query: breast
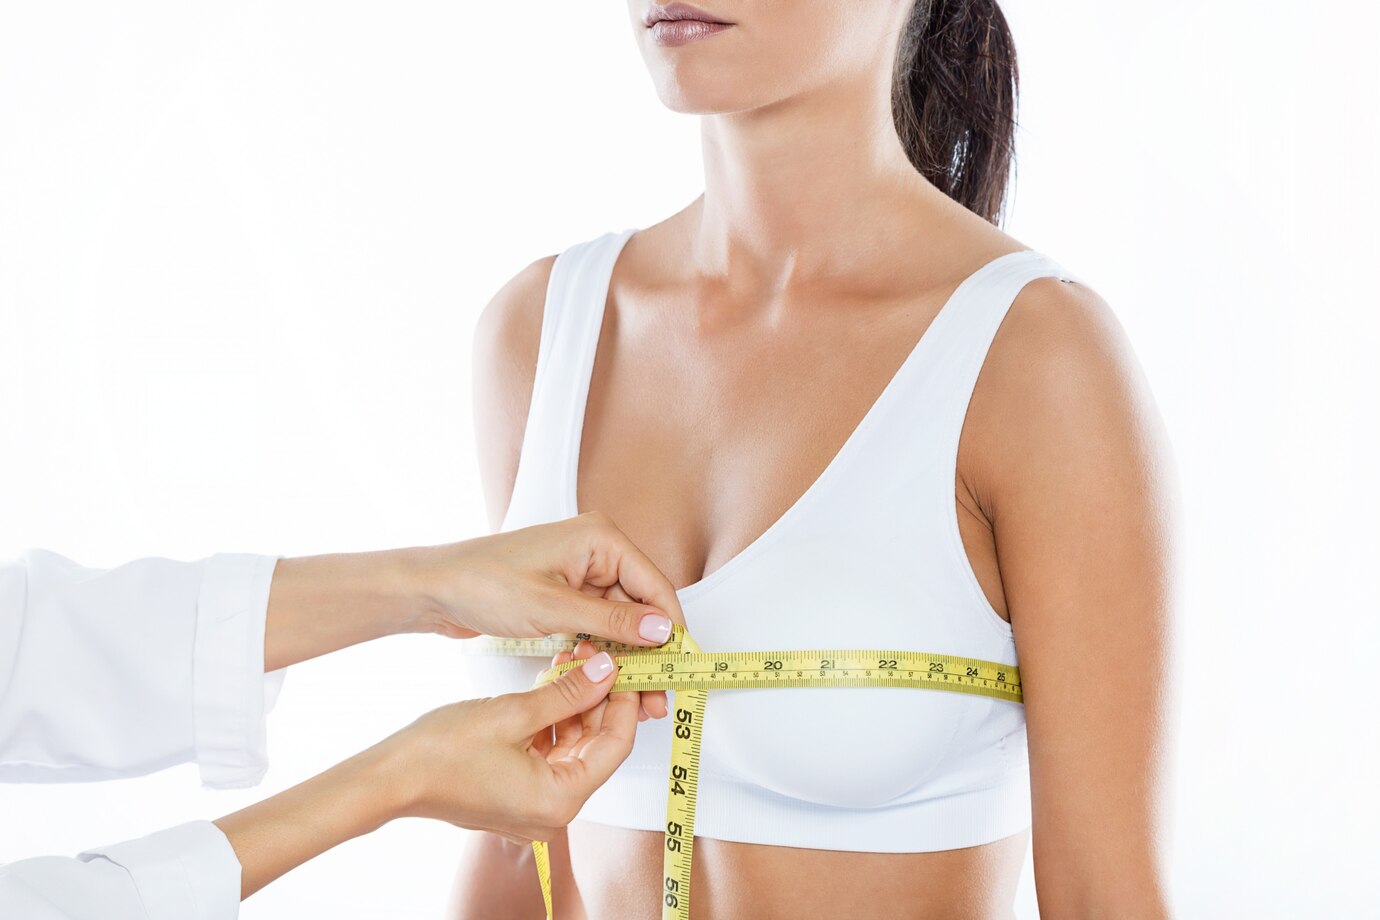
[(857, 747), (853, 747)]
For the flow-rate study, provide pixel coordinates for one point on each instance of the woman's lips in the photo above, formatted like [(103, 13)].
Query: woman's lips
[(670, 33)]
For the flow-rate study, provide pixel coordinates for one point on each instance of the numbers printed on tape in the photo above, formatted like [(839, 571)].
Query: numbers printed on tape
[(681, 666)]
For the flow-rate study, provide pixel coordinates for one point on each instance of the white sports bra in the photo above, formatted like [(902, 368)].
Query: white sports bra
[(869, 556)]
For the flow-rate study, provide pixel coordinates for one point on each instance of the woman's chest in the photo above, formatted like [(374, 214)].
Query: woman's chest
[(697, 445), (836, 747)]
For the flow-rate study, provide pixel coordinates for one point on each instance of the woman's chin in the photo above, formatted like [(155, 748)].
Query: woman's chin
[(702, 88)]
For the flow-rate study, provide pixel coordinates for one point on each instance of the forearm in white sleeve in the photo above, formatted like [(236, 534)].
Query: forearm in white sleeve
[(118, 672), (188, 871)]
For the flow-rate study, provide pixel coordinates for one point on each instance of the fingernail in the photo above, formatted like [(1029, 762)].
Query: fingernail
[(655, 628), (598, 667)]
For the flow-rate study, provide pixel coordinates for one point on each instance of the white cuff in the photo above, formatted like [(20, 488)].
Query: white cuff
[(230, 692), (182, 872)]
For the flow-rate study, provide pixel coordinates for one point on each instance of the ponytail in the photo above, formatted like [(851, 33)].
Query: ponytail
[(953, 99)]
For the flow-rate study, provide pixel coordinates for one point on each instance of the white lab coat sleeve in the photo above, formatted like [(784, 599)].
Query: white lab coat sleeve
[(188, 872), (117, 672)]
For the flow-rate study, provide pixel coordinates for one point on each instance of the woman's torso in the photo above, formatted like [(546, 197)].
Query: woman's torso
[(793, 464)]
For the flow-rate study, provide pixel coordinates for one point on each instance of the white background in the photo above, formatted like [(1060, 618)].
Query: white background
[(243, 246)]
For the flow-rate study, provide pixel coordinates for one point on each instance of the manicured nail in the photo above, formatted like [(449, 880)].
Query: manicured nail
[(598, 667), (655, 628)]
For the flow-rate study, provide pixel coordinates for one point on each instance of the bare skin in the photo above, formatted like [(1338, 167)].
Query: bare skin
[(744, 338)]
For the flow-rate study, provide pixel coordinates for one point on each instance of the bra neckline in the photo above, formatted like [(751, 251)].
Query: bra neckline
[(851, 445)]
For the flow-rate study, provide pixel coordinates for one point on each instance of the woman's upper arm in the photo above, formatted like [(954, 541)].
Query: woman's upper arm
[(506, 341), (1082, 493)]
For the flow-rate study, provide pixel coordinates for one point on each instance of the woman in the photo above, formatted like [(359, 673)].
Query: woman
[(842, 409)]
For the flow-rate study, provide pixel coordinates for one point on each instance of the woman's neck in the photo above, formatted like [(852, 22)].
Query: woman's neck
[(803, 189)]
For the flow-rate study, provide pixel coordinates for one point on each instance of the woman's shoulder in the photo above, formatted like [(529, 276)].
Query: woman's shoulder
[(1056, 320), (510, 323), (505, 347), (1061, 330), (506, 340), (1062, 379)]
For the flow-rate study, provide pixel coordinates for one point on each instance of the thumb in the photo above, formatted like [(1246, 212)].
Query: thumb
[(621, 621), (576, 691)]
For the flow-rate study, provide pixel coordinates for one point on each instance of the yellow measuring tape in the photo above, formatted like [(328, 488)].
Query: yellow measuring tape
[(681, 666)]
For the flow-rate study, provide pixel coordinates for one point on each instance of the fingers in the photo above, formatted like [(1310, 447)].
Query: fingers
[(565, 732), (622, 621), (636, 573), (654, 703), (591, 746), (569, 695), (591, 718), (570, 731), (605, 751), (651, 703), (613, 560)]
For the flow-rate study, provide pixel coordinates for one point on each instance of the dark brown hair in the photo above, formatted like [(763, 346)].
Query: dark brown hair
[(953, 99)]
